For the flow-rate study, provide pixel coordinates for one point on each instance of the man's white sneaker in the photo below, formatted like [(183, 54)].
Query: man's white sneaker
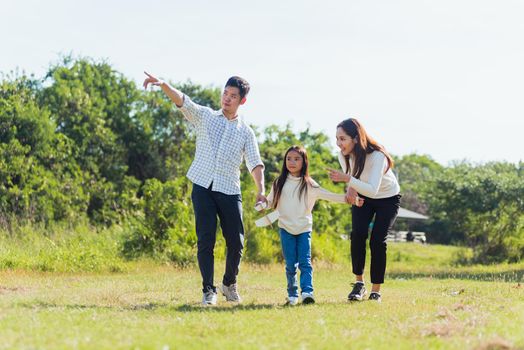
[(307, 298), (292, 301), (209, 298), (231, 293)]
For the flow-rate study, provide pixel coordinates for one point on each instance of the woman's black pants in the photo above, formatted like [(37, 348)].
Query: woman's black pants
[(385, 212)]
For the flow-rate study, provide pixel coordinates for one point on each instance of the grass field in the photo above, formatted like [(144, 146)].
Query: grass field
[(427, 304)]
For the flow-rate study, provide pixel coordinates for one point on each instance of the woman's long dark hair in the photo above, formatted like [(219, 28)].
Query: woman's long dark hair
[(305, 179), (365, 145)]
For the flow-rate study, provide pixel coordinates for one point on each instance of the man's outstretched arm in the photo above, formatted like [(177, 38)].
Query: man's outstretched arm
[(175, 95)]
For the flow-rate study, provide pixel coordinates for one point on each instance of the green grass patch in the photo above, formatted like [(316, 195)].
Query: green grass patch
[(155, 307), (408, 260)]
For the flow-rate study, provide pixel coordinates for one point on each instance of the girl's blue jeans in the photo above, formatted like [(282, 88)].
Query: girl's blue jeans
[(297, 253)]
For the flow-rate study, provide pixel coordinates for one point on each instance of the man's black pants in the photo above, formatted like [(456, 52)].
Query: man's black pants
[(207, 205)]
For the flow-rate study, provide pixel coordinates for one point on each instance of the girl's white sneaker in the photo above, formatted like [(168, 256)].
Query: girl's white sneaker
[(307, 298), (291, 301)]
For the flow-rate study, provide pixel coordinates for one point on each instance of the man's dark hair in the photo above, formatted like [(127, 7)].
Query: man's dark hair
[(240, 83)]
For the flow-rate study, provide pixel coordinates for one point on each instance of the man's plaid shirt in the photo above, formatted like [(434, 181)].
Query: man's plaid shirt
[(220, 146)]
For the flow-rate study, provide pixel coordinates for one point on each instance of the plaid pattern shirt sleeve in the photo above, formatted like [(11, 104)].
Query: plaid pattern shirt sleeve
[(193, 112), (220, 146), (252, 153)]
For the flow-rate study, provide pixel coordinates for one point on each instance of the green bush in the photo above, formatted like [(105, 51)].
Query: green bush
[(165, 225), (61, 248)]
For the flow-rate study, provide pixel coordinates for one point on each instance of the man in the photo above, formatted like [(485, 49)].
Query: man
[(223, 139)]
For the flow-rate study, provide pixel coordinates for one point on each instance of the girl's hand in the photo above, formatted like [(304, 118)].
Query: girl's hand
[(359, 201), (338, 176)]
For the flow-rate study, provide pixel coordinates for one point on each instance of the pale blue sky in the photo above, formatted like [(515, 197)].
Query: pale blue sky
[(443, 78)]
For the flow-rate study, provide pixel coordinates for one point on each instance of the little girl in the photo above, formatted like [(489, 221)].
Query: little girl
[(293, 195)]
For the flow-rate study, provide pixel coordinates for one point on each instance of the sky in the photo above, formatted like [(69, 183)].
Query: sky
[(443, 78)]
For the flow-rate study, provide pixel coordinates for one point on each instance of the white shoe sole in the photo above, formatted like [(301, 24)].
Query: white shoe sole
[(357, 297)]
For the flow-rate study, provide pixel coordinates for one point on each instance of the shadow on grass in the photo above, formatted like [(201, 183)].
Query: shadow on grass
[(137, 307), (232, 308), (503, 276), (151, 307)]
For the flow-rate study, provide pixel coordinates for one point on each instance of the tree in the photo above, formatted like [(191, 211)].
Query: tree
[(35, 182), (484, 204)]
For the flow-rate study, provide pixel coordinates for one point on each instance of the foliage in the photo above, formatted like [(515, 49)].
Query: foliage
[(481, 206), (38, 180), (84, 143), (61, 248), (165, 225), (485, 204)]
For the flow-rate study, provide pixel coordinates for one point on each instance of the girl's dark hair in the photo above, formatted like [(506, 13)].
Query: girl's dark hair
[(305, 180), (365, 145), (241, 84)]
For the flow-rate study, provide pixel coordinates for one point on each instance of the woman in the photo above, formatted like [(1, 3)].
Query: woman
[(374, 191)]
